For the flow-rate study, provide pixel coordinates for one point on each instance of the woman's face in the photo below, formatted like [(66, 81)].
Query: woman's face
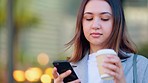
[(97, 22)]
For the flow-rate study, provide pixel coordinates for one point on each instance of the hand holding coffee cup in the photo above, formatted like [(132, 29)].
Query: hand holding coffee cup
[(100, 56)]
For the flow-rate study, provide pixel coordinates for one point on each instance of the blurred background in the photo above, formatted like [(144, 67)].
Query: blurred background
[(33, 34)]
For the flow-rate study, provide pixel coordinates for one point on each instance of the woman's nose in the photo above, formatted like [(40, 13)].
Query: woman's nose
[(96, 24)]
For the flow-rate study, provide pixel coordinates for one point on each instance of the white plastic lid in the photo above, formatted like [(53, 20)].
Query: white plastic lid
[(106, 51), (107, 77)]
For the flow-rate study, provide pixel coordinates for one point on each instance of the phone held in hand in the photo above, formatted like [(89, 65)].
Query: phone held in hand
[(63, 66)]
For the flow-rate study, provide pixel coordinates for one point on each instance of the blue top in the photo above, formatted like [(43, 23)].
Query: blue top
[(81, 69)]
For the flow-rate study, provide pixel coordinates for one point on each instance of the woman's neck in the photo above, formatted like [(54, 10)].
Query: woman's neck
[(94, 48)]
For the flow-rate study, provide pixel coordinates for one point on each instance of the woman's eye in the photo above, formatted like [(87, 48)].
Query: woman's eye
[(89, 19), (104, 19)]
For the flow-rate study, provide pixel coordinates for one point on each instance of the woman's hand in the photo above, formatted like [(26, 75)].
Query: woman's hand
[(59, 78), (112, 66)]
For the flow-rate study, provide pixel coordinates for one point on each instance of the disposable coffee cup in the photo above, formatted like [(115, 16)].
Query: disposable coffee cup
[(100, 55)]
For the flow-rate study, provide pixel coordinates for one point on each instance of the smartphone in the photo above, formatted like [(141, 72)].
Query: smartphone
[(63, 66)]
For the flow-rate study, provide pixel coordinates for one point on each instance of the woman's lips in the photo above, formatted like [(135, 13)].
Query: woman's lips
[(96, 35)]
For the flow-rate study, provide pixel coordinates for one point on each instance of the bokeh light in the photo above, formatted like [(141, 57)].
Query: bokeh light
[(33, 74), (45, 78), (49, 72), (19, 75), (43, 59)]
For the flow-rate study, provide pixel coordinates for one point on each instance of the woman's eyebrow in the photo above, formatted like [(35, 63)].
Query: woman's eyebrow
[(100, 13), (88, 13), (106, 13)]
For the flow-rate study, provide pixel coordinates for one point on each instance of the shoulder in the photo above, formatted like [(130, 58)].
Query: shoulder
[(142, 63), (141, 60), (142, 66)]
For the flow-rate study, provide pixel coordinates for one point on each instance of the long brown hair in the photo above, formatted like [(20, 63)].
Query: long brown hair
[(118, 39)]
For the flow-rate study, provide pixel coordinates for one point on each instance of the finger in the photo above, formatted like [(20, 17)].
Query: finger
[(115, 74), (114, 60), (111, 67), (75, 81), (110, 72), (63, 75), (114, 70), (55, 73)]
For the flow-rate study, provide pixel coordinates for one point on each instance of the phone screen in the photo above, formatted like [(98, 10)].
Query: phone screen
[(63, 66)]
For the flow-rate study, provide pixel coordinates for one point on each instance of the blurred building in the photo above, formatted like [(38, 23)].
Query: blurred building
[(57, 23), (136, 12), (56, 27)]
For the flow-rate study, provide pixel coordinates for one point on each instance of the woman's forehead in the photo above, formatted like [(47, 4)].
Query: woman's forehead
[(97, 6)]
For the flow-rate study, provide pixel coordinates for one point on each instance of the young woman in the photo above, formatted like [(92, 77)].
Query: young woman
[(100, 25)]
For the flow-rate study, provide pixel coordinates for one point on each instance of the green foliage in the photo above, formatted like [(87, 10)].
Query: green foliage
[(2, 12), (72, 6), (144, 50), (24, 20), (23, 17)]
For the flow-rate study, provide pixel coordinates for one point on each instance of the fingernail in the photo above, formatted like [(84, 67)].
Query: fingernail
[(103, 65), (69, 71)]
